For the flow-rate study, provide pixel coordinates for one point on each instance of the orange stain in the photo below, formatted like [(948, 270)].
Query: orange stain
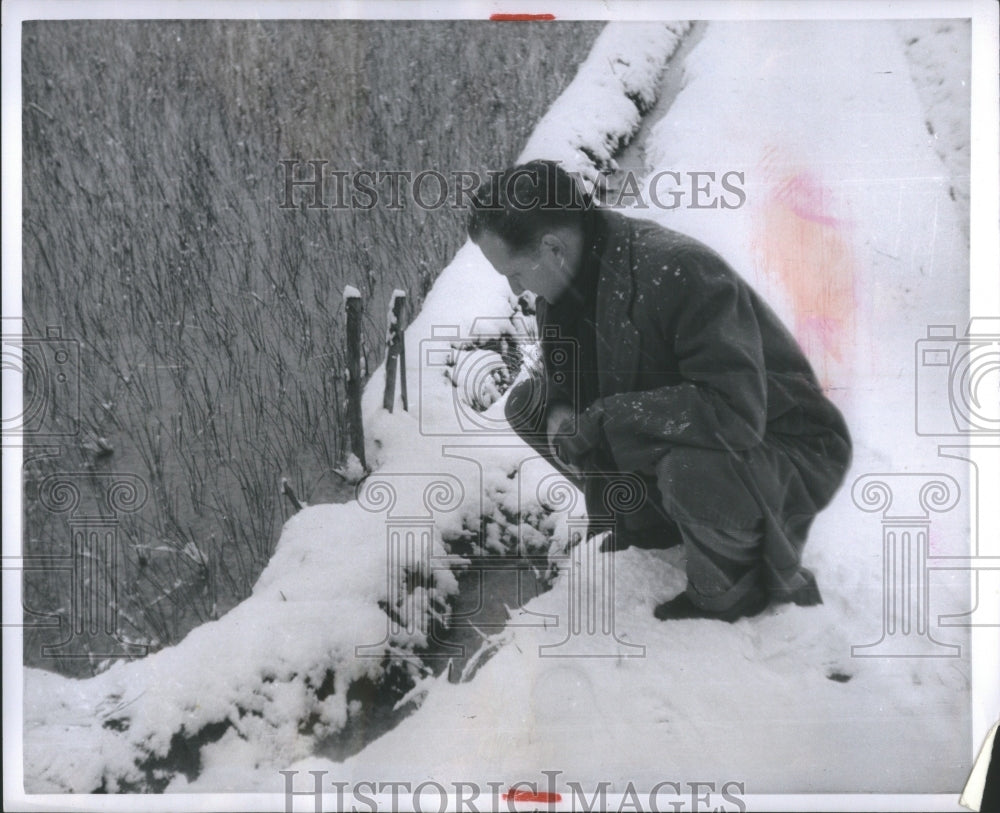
[(799, 245)]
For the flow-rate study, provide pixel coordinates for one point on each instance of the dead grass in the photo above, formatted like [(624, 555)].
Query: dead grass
[(210, 320)]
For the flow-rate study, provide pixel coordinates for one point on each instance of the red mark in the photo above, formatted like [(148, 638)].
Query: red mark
[(806, 197), (521, 18), (532, 797)]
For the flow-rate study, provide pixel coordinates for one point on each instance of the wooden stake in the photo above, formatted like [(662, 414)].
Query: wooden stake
[(286, 489), (352, 301), (395, 353)]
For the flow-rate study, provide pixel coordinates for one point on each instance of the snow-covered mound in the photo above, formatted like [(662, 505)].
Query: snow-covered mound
[(849, 230), (273, 674)]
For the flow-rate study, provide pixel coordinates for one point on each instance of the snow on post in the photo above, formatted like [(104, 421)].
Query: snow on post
[(288, 491)]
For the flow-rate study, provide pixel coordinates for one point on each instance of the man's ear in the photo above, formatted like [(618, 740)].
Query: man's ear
[(553, 245)]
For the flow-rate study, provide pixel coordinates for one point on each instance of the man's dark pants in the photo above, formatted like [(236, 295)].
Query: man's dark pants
[(719, 504)]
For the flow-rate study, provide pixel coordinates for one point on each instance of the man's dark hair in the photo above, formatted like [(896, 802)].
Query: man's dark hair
[(525, 201)]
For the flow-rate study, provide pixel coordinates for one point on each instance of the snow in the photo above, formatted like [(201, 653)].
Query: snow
[(353, 471), (479, 375), (755, 699), (942, 77), (848, 218), (600, 109), (750, 700), (256, 669), (350, 292)]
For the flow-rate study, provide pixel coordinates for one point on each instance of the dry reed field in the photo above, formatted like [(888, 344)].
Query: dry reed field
[(209, 319)]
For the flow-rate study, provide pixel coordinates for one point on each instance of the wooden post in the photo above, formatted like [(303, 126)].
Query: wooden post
[(395, 353), (352, 302), (286, 489), (402, 371)]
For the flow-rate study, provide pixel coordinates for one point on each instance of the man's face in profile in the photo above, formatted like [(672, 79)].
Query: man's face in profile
[(546, 270)]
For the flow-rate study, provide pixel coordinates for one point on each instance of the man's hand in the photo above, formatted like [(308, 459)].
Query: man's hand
[(573, 437), (558, 415), (560, 422)]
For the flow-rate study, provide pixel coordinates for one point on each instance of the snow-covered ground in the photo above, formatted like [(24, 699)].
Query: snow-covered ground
[(850, 231)]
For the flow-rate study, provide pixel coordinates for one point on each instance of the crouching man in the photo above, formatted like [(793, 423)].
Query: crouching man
[(683, 377)]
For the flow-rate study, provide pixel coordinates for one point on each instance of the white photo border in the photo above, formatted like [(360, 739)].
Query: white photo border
[(984, 301)]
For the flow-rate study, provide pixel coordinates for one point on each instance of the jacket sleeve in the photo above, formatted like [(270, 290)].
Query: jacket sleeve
[(720, 400)]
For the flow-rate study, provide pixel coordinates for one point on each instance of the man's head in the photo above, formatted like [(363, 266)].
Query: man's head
[(529, 223)]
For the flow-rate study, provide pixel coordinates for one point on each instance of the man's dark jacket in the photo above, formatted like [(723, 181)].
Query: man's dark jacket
[(688, 355)]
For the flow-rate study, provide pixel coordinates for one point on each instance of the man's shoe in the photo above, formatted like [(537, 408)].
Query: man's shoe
[(681, 606)]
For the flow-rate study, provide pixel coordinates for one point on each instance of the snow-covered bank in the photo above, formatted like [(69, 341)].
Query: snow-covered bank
[(269, 677), (617, 84)]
